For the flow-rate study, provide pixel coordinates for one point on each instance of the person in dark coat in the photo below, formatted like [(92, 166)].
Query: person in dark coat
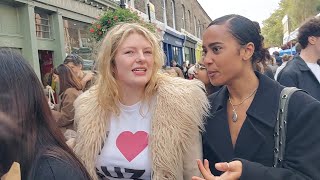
[(303, 71), (238, 141), (277, 57)]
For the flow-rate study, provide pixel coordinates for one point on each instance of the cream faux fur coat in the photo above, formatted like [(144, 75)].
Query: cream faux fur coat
[(174, 142)]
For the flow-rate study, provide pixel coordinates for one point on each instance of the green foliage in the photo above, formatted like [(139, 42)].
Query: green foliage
[(272, 29), (297, 10), (300, 10), (111, 17)]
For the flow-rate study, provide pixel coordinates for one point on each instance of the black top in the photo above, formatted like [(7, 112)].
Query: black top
[(255, 142), (268, 72), (51, 168), (298, 74)]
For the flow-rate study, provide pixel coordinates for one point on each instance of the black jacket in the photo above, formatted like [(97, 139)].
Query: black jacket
[(52, 168), (298, 74), (255, 143)]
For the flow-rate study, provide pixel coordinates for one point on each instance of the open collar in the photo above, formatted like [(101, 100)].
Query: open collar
[(263, 109), (302, 65), (264, 104)]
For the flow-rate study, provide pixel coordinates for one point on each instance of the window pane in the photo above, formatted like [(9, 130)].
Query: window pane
[(42, 22), (46, 35)]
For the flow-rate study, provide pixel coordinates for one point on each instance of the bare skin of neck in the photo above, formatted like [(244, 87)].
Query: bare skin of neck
[(309, 55), (239, 89), (131, 95)]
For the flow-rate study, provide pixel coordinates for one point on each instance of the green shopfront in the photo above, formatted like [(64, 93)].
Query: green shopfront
[(45, 31)]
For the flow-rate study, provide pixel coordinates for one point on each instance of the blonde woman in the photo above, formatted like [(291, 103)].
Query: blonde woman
[(137, 123)]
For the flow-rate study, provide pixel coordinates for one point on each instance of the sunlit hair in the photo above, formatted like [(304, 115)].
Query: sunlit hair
[(107, 87)]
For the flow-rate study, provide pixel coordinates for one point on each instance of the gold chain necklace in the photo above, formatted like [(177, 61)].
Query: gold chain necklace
[(235, 106)]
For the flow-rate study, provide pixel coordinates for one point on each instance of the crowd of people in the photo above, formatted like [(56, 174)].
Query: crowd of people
[(137, 118)]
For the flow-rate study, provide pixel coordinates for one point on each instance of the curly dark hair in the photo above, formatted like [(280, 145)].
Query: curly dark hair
[(309, 28)]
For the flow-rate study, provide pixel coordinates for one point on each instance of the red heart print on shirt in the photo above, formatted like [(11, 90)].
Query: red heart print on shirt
[(131, 145)]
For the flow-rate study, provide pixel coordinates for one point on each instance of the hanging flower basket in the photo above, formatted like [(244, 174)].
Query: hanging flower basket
[(110, 18)]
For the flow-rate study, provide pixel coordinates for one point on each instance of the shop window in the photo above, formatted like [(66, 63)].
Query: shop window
[(77, 38), (175, 54), (43, 25), (187, 54)]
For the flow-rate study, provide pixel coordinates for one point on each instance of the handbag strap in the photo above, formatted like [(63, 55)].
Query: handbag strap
[(281, 125), (51, 94)]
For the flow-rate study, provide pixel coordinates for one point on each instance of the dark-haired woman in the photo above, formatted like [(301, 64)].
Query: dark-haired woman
[(70, 88), (8, 138), (38, 144), (238, 142)]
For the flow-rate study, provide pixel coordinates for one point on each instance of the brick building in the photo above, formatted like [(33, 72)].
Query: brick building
[(182, 23)]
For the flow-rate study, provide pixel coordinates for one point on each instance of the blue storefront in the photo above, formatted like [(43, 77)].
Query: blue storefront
[(172, 46)]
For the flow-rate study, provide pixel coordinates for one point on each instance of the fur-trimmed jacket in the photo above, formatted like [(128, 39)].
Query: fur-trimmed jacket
[(175, 141)]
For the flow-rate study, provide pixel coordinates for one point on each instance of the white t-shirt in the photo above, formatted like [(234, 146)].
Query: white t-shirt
[(315, 68), (125, 154)]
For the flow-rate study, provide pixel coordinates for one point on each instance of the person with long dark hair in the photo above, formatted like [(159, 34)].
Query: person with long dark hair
[(8, 139), (39, 147), (69, 89), (239, 138), (75, 63)]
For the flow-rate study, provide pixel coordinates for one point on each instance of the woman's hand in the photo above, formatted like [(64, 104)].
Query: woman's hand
[(205, 171), (232, 170), (87, 77)]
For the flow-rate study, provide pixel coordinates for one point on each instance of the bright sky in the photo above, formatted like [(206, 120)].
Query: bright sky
[(256, 10)]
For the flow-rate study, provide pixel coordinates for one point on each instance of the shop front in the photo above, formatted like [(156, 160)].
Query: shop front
[(172, 46), (198, 51), (189, 50)]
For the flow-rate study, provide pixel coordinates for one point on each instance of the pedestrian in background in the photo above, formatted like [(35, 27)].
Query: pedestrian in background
[(285, 59), (277, 57), (69, 89), (303, 71), (238, 141), (75, 63)]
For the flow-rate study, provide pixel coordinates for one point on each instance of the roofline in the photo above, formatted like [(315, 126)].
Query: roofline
[(204, 11)]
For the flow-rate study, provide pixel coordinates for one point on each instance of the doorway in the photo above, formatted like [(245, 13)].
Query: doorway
[(46, 66)]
